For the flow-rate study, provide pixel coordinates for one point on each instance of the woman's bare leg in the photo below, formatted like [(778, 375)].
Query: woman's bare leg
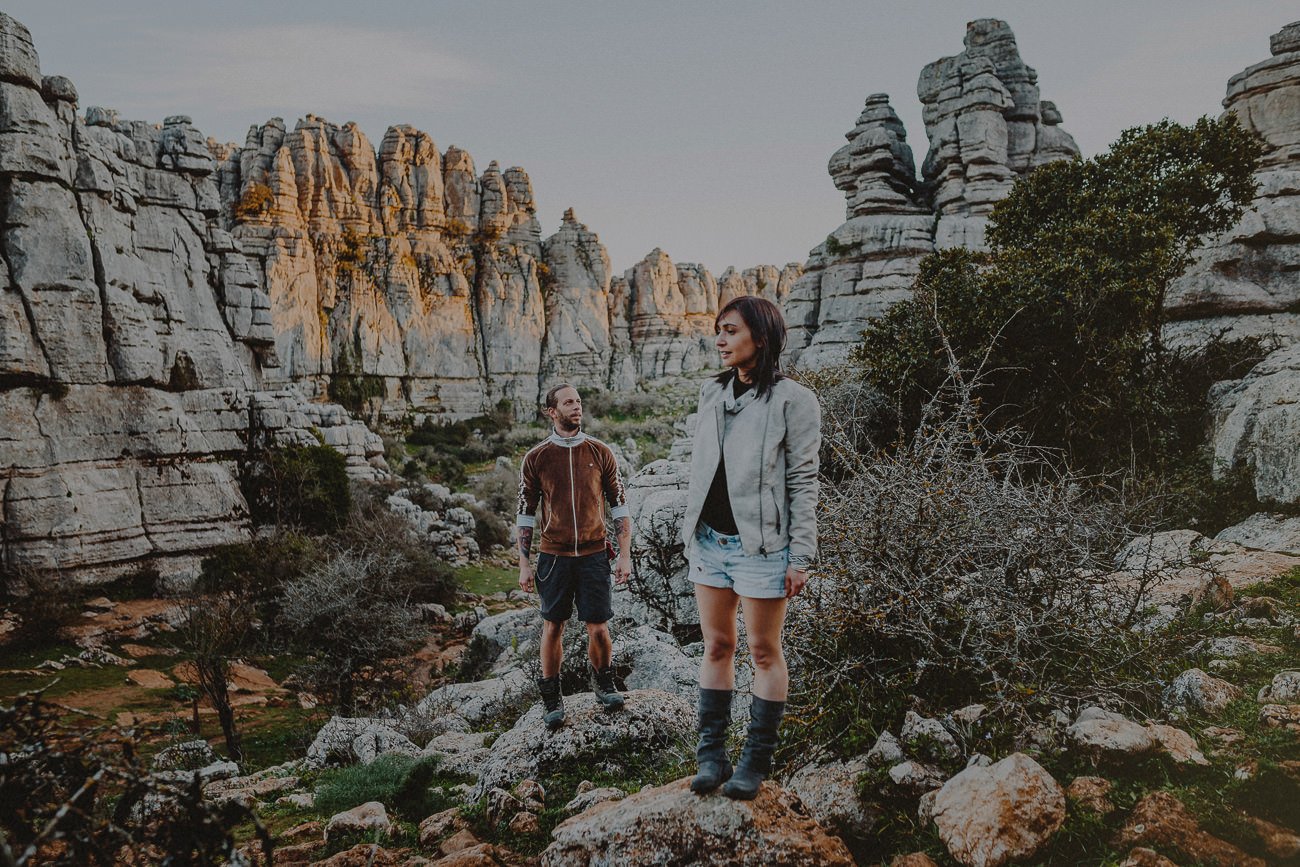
[(764, 619), (718, 623)]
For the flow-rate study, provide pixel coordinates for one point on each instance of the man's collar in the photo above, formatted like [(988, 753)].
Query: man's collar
[(567, 442)]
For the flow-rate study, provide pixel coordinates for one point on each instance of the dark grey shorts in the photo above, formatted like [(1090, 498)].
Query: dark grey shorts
[(562, 580)]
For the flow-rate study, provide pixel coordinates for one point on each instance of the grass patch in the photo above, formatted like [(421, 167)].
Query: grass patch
[(485, 579), (411, 788), (61, 683), (274, 735)]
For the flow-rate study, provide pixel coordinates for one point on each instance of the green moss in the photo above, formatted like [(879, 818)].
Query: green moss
[(485, 579)]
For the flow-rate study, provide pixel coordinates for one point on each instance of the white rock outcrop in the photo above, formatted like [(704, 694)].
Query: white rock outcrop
[(136, 341), (1003, 813)]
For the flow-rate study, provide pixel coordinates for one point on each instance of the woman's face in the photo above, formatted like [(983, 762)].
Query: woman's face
[(735, 344)]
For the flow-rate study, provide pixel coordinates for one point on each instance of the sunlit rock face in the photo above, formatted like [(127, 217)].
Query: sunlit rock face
[(1246, 283), (135, 340), (986, 126), (408, 268)]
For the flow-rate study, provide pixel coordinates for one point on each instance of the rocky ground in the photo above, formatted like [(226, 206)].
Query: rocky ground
[(1213, 779)]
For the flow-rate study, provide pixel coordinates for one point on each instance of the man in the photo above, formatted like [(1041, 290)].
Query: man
[(568, 475)]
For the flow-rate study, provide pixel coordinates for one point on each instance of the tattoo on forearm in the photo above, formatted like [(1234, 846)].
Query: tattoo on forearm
[(525, 541), (624, 529)]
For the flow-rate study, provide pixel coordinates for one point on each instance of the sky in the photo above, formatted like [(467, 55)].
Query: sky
[(701, 127)]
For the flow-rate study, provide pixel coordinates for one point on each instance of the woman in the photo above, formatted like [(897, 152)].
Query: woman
[(750, 532)]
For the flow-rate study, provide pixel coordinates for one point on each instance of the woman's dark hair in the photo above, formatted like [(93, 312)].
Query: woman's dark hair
[(767, 329)]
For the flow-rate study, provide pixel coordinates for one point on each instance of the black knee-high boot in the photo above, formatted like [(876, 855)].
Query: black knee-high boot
[(756, 759), (711, 753)]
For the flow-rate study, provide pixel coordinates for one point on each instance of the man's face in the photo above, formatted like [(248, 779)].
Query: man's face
[(567, 412)]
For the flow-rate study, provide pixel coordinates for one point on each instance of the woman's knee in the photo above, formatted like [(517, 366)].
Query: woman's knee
[(767, 654), (719, 648)]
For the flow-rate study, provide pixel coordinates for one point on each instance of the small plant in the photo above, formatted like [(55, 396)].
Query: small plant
[(44, 601), (406, 785), (255, 202), (302, 486)]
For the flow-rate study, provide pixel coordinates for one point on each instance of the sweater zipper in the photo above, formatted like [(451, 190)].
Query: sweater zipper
[(573, 503)]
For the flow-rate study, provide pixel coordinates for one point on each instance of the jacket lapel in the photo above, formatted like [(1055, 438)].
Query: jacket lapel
[(719, 422)]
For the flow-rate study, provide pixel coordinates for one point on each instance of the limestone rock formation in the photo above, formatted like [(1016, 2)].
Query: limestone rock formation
[(1255, 425), (986, 126), (1247, 282), (390, 263), (652, 721), (407, 272), (669, 825), (576, 287), (134, 339)]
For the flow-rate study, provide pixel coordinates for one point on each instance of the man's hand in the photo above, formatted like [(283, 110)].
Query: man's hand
[(525, 576), (795, 579), (623, 568)]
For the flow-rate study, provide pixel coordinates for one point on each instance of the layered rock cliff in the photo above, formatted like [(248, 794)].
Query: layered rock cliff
[(1247, 282), (134, 339), (986, 126), (406, 268)]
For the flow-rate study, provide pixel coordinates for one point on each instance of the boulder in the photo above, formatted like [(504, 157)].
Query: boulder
[(652, 725), (1281, 716), (670, 825), (830, 792), (357, 739), (916, 778), (458, 753), (914, 859), (1091, 794), (186, 756), (928, 739), (1144, 857), (1256, 420), (1263, 531), (368, 818), (656, 662), (1161, 821), (483, 701), (1000, 814), (524, 823), (582, 801), (885, 751), (1110, 736), (1177, 744), (1285, 689), (433, 828), (1194, 690)]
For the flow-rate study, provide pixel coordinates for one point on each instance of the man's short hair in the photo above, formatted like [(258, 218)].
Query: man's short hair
[(551, 401)]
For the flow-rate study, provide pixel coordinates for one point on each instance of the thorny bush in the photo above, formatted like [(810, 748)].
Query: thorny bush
[(965, 566), (77, 797)]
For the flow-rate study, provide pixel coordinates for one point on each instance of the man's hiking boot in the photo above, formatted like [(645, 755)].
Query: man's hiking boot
[(711, 753), (603, 685), (756, 758), (549, 687)]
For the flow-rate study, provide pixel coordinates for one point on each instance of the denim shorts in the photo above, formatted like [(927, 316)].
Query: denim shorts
[(719, 561), (563, 580)]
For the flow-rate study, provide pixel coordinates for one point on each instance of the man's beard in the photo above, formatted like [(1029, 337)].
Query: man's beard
[(566, 427)]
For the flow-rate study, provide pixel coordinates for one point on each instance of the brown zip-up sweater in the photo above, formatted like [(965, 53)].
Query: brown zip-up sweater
[(569, 477)]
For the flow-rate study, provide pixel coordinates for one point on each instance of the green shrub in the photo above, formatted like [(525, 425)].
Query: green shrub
[(45, 602), (303, 486), (1064, 313), (401, 783), (255, 202), (490, 529)]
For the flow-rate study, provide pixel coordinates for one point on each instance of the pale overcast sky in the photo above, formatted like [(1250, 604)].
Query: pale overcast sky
[(699, 126)]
